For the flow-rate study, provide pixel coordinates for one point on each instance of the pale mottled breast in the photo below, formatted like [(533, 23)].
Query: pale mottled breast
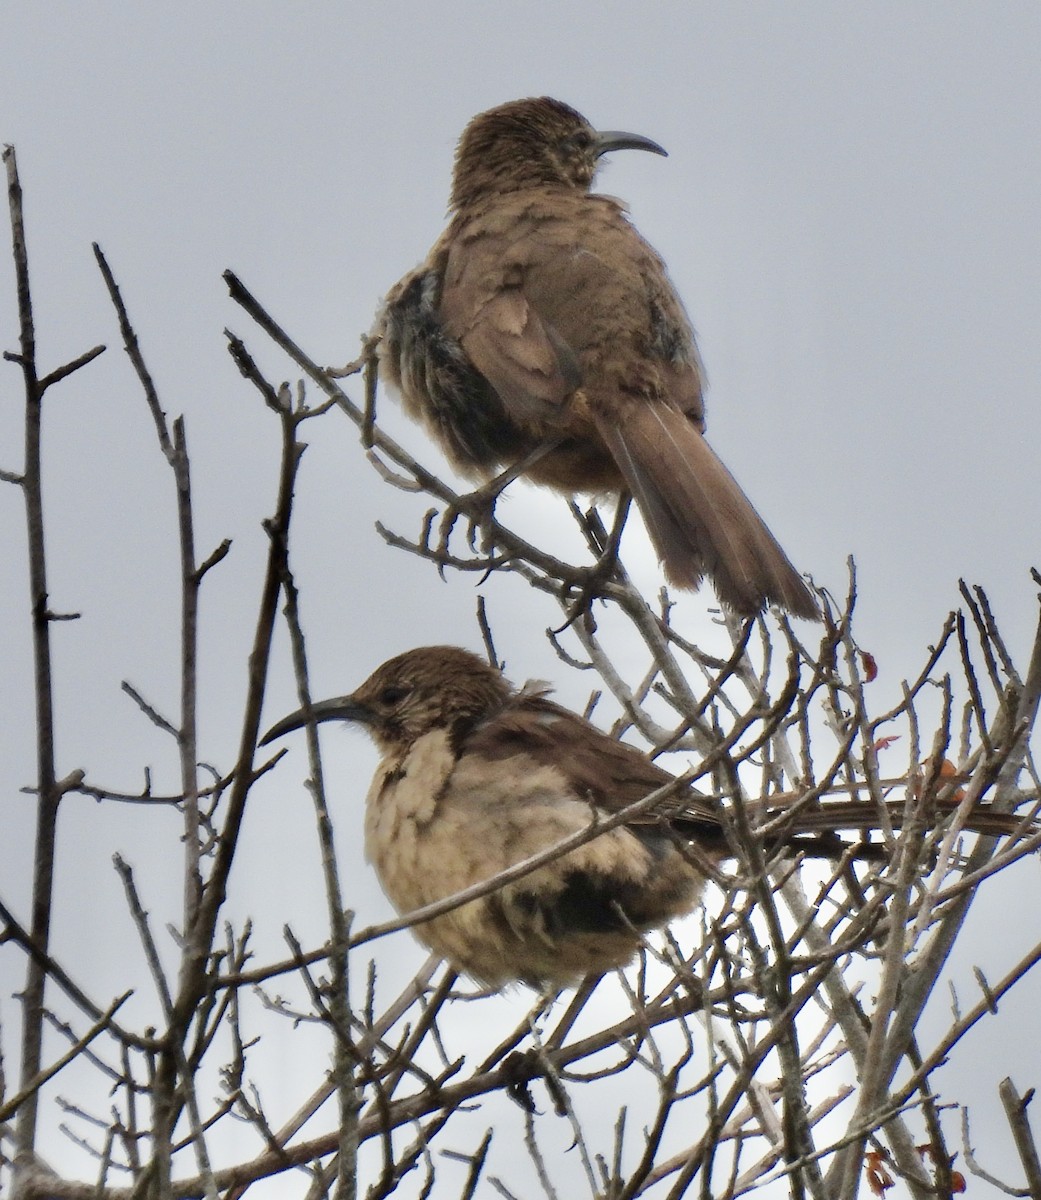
[(436, 824), (401, 826)]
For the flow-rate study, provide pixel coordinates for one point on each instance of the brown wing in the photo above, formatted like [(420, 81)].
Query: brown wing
[(528, 363), (487, 307), (549, 293), (598, 768), (613, 775)]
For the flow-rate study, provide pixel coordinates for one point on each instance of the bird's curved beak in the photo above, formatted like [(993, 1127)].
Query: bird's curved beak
[(340, 708), (617, 139)]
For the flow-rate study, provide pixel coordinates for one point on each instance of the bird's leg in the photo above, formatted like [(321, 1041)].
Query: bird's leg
[(582, 993), (606, 547), (608, 560), (523, 1067)]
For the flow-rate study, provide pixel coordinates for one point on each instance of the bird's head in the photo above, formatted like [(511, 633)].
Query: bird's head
[(433, 687), (526, 143)]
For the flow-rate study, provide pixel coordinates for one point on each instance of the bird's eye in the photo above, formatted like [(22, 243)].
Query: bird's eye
[(393, 694), (582, 139)]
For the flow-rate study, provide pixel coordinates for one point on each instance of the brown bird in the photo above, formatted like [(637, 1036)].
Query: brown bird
[(543, 330), (477, 776)]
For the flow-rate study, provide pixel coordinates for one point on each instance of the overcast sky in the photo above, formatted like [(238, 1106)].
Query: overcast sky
[(851, 210)]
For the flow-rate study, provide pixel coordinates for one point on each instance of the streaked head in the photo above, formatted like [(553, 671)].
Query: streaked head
[(431, 687), (530, 142)]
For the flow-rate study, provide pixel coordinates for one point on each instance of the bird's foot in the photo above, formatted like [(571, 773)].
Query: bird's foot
[(477, 508), (588, 584), (520, 1070), (591, 582)]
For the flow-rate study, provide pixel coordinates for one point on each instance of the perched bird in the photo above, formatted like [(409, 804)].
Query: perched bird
[(477, 776), (543, 330)]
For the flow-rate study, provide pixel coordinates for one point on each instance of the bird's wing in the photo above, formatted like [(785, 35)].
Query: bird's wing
[(522, 356), (597, 768), (610, 775), (537, 290)]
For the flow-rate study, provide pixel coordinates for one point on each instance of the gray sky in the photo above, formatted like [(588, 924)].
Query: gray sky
[(850, 210)]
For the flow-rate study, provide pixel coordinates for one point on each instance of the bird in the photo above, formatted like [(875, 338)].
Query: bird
[(543, 333), (476, 775)]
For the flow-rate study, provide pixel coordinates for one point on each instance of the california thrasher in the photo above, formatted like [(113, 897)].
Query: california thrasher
[(477, 776), (543, 327)]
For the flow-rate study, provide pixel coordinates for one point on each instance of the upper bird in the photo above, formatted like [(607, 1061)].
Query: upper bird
[(477, 776), (542, 329)]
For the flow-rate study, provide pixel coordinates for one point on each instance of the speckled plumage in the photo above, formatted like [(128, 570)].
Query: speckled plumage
[(476, 776), (471, 783)]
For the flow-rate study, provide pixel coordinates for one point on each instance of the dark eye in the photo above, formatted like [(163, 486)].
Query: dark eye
[(393, 694), (582, 139)]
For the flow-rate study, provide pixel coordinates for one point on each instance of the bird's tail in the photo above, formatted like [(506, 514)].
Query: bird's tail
[(813, 831), (699, 519)]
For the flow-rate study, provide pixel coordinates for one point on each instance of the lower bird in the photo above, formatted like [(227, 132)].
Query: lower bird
[(476, 776)]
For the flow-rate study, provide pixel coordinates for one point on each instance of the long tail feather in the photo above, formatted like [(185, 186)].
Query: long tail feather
[(700, 520)]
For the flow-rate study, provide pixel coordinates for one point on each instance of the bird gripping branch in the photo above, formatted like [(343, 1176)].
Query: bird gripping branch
[(542, 329), (477, 776)]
